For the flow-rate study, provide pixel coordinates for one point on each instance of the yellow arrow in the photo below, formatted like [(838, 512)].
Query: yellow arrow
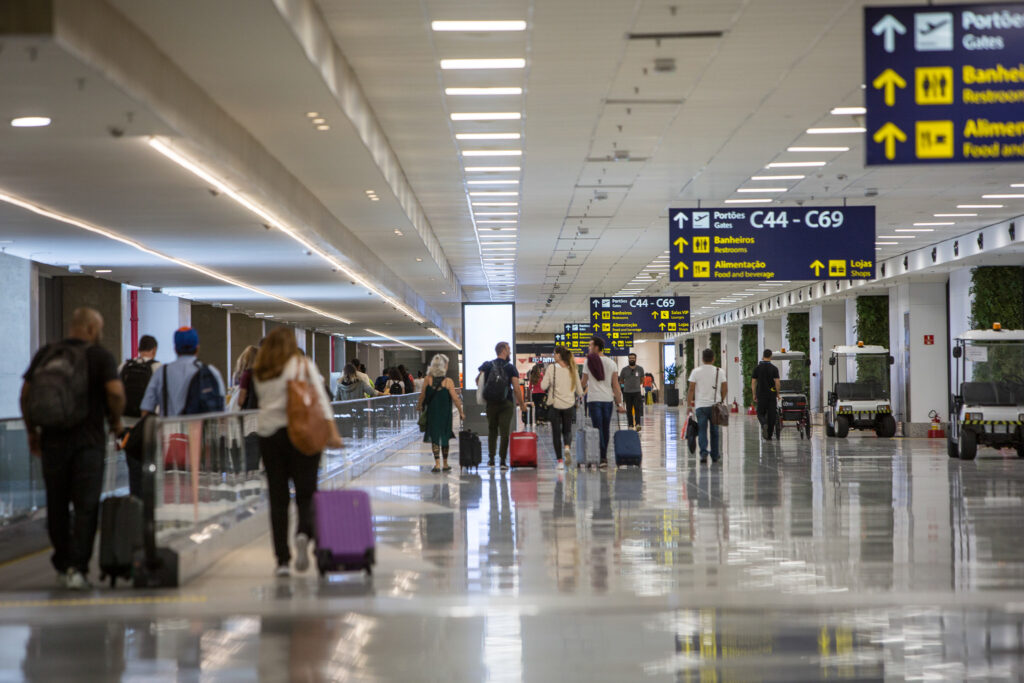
[(817, 266), (596, 315), (889, 80), (680, 242), (824, 641), (889, 134), (681, 267)]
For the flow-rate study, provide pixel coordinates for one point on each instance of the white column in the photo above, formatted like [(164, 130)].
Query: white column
[(17, 312), (827, 325), (922, 368), (960, 303), (160, 315), (731, 362), (899, 302), (769, 334)]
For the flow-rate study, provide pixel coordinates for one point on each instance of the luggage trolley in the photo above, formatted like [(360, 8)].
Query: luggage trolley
[(793, 404), (988, 408)]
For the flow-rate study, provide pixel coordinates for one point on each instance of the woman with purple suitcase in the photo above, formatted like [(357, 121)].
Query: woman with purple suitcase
[(278, 362)]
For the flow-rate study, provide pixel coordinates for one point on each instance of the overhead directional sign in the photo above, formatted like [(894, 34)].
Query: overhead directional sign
[(945, 83), (636, 314), (577, 337), (786, 243)]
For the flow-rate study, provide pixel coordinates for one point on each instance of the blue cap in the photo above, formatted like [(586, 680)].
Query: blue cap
[(186, 341)]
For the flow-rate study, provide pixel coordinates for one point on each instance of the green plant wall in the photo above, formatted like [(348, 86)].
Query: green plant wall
[(872, 328), (689, 357), (716, 347), (748, 360), (798, 332), (998, 297)]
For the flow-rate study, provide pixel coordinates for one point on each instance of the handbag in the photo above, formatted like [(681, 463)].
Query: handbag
[(308, 429), (690, 434), (719, 411), (549, 408)]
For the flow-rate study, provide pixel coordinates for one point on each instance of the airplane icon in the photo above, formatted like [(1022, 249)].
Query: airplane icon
[(929, 27)]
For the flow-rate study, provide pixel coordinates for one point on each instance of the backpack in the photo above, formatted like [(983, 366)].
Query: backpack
[(381, 383), (496, 384), (135, 376), (203, 392), (397, 387), (58, 394)]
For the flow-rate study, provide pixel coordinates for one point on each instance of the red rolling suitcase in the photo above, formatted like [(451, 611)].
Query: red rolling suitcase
[(522, 448), (344, 531)]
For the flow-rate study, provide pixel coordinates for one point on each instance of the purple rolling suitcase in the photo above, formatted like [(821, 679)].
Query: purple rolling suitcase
[(344, 531)]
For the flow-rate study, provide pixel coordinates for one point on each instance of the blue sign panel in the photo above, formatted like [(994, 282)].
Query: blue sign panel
[(944, 83), (577, 339), (635, 314), (785, 243)]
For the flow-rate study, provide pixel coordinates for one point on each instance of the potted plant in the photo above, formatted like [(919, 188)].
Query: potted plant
[(671, 391)]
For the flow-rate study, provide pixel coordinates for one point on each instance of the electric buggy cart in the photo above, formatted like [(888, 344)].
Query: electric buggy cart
[(859, 398)]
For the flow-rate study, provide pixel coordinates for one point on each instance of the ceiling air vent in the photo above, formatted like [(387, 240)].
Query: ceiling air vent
[(622, 155), (665, 65)]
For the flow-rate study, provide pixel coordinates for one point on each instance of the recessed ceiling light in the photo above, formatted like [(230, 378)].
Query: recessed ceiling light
[(916, 229), (483, 91), (492, 169), (936, 223), (498, 222), (104, 270), (886, 243), (1002, 196), (323, 126), (494, 194), (496, 213), (795, 164), (777, 177), (817, 149), (399, 233), (443, 292), (449, 64), (495, 203), (312, 114), (750, 201), (374, 198), (319, 120), (836, 131), (492, 182), (954, 215), (492, 152), (486, 116), (478, 25), (848, 111), (30, 121), (896, 237), (979, 206), (487, 136), (754, 190), (419, 260)]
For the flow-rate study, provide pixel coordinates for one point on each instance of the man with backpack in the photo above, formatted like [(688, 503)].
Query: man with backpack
[(135, 374), (499, 380), (70, 387), (185, 386)]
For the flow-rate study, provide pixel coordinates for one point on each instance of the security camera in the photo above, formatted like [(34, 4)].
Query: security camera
[(115, 132)]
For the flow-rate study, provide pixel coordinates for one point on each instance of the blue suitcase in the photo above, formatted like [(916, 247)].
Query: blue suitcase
[(628, 452)]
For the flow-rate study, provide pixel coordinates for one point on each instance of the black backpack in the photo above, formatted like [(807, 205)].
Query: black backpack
[(204, 394), (135, 376), (397, 387), (58, 392), (496, 384)]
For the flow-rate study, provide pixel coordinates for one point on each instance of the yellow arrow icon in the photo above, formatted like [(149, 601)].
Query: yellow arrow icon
[(888, 81), (817, 266), (596, 315), (680, 267), (680, 242), (889, 134)]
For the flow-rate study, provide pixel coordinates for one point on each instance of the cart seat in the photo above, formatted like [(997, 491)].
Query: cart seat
[(980, 393), (791, 386), (859, 391)]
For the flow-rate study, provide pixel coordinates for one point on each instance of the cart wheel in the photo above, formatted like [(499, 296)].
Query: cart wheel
[(952, 449), (886, 426), (829, 430), (1020, 450), (842, 426), (968, 445)]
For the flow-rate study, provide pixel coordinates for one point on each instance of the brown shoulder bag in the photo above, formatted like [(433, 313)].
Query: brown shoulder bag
[(308, 429)]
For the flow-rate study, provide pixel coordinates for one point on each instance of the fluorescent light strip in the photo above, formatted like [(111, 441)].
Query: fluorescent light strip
[(492, 152), (749, 201), (954, 215), (494, 194), (492, 182), (199, 171), (915, 229), (777, 177), (495, 203), (483, 91), (920, 225), (795, 164), (441, 335), (836, 131), (896, 237), (886, 243), (979, 206), (817, 149), (387, 336), (110, 234), (1017, 185), (1002, 196), (492, 169), (848, 111), (450, 64), (754, 190), (495, 213), (487, 136), (487, 116), (478, 25)]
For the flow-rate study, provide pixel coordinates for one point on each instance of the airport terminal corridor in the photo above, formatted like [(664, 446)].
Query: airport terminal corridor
[(791, 560)]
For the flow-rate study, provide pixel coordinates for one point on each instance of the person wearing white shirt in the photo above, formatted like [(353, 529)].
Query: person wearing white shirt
[(601, 382), (562, 387), (707, 383)]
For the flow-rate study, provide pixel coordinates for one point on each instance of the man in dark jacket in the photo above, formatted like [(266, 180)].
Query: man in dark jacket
[(764, 385)]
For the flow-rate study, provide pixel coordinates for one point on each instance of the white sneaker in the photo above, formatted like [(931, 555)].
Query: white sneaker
[(560, 466), (282, 572), (567, 455), (75, 581), (301, 553)]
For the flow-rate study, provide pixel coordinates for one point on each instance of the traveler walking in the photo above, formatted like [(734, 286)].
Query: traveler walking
[(500, 381), (69, 388), (765, 385), (417, 384), (632, 379), (351, 386), (395, 383), (598, 373), (245, 396), (537, 395), (707, 383), (563, 387), (437, 396), (185, 386), (278, 364), (135, 375), (650, 389), (361, 372)]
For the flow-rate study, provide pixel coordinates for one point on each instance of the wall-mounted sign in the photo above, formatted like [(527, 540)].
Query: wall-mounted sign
[(945, 83), (784, 243), (636, 314)]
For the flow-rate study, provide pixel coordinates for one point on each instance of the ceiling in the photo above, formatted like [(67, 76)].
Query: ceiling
[(617, 126)]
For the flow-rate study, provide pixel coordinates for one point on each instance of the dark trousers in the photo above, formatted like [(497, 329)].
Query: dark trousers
[(561, 428), (634, 406), (73, 476), (601, 418), (499, 423), (704, 427), (283, 463), (768, 415), (134, 476)]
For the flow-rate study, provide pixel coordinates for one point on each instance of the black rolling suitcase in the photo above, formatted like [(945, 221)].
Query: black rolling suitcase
[(470, 449), (121, 520)]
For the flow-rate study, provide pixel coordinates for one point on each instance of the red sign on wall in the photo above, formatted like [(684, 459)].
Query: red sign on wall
[(929, 340)]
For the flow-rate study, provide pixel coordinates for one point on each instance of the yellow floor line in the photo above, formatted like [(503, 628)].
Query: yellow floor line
[(16, 560), (104, 601)]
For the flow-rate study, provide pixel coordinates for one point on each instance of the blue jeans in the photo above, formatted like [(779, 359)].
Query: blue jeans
[(703, 425), (601, 418)]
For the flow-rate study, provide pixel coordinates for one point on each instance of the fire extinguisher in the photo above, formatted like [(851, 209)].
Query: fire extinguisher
[(935, 430), (735, 407)]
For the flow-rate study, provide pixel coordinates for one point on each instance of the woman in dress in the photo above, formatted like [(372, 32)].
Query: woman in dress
[(438, 396)]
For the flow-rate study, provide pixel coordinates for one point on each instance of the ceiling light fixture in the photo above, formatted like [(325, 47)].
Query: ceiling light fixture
[(486, 116), (777, 177), (795, 164), (495, 203), (441, 335), (453, 64), (168, 151), (494, 194), (312, 114), (492, 182), (915, 229), (1002, 196), (979, 206), (918, 225), (754, 190), (954, 215), (848, 111), (483, 91), (104, 270), (399, 233), (492, 169), (886, 243), (319, 120), (896, 237), (487, 136), (386, 336), (492, 152), (848, 130), (30, 122), (760, 200), (817, 149), (478, 25), (323, 127), (496, 213)]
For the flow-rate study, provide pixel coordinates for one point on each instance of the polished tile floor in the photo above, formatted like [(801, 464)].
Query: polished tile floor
[(861, 559)]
